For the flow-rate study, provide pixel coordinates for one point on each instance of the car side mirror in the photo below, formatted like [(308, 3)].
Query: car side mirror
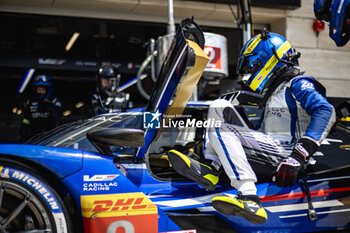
[(102, 139)]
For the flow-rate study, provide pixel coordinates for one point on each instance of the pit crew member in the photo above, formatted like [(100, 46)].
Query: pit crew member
[(107, 98)]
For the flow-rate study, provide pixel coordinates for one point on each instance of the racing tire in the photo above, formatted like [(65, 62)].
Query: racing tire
[(29, 204)]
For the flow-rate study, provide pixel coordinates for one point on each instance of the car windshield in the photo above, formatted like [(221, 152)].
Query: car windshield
[(73, 135)]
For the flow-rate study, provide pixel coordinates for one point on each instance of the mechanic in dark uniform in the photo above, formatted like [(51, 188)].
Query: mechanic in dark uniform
[(296, 118), (41, 111), (107, 98)]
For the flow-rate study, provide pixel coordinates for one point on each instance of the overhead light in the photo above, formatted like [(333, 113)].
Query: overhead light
[(67, 113), (72, 40), (79, 104), (26, 79)]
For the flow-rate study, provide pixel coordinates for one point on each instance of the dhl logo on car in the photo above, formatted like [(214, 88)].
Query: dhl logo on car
[(117, 205)]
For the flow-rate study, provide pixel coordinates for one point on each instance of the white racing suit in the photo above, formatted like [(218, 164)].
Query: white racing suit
[(295, 110)]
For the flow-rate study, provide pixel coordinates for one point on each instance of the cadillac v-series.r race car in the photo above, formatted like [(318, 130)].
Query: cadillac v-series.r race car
[(111, 174)]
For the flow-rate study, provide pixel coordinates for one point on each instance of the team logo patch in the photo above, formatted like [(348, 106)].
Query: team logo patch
[(306, 85), (87, 178)]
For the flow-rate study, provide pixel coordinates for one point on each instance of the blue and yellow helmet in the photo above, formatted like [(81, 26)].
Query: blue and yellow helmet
[(260, 57)]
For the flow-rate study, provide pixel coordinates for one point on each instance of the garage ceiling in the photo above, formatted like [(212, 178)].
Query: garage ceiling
[(210, 13)]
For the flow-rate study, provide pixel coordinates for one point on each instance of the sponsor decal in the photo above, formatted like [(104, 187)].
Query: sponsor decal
[(87, 178), (36, 185), (111, 119), (85, 63), (306, 85), (4, 173), (299, 147), (61, 224), (254, 43), (96, 182), (122, 212), (120, 204), (51, 61), (270, 65), (33, 183), (276, 112), (99, 186)]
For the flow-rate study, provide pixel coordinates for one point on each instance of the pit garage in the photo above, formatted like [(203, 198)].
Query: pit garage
[(154, 68)]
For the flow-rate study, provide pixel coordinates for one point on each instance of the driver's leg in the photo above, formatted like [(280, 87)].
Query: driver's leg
[(224, 147), (230, 153)]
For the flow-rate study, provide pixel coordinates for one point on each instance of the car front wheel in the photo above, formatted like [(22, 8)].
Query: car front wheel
[(29, 204)]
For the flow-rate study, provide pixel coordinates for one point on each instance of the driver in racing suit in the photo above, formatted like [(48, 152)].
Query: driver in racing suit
[(296, 118)]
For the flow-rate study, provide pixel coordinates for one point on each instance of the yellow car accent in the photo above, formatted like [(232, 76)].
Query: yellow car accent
[(345, 119), (345, 147)]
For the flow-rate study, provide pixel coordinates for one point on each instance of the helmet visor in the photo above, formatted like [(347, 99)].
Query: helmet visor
[(42, 80), (248, 66), (243, 65)]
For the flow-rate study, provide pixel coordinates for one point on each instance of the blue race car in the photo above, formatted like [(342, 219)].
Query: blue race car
[(110, 173)]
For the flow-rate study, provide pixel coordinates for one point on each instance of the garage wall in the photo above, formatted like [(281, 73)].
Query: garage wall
[(320, 57)]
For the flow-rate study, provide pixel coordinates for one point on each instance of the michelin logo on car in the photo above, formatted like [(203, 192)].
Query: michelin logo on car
[(36, 185)]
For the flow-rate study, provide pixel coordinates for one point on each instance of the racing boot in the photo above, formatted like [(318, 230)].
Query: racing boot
[(246, 206), (203, 174)]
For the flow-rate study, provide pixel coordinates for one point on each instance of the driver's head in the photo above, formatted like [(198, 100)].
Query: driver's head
[(42, 86), (261, 57), (336, 13), (108, 79)]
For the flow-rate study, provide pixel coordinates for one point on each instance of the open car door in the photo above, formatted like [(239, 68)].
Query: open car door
[(181, 70)]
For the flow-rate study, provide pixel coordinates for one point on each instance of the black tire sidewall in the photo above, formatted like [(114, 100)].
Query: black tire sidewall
[(42, 190)]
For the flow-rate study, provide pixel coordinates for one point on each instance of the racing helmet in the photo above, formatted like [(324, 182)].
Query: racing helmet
[(108, 79), (43, 81), (261, 57), (336, 13)]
